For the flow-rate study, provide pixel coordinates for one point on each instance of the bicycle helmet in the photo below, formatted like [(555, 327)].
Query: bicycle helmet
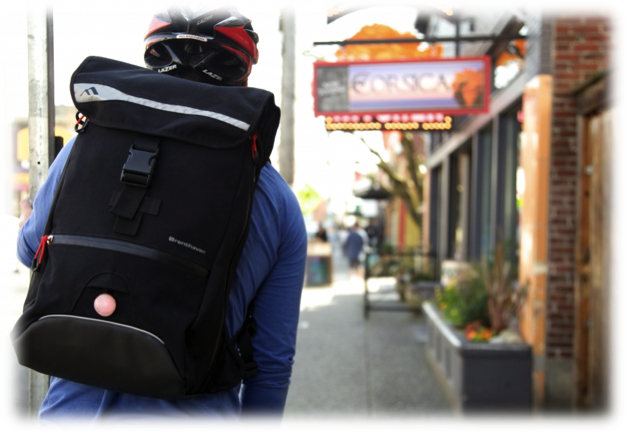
[(215, 46)]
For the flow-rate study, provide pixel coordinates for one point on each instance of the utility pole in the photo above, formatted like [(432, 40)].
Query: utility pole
[(40, 136), (40, 95), (286, 146)]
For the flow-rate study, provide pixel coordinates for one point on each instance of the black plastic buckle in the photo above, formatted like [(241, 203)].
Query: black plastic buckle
[(139, 167)]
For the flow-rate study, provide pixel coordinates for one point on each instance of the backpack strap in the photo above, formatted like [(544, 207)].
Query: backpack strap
[(131, 203)]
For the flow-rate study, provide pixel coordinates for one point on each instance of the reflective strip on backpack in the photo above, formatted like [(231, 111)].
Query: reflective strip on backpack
[(87, 92)]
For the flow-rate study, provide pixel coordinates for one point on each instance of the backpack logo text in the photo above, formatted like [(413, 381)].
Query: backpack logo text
[(186, 245)]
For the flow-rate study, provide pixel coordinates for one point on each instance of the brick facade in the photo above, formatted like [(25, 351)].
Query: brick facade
[(581, 48)]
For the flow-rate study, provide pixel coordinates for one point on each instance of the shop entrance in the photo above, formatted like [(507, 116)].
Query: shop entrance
[(591, 283)]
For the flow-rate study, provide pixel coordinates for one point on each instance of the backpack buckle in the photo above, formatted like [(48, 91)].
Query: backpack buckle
[(139, 167)]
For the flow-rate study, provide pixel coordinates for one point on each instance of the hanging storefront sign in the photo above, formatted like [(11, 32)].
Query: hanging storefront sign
[(389, 122), (449, 86)]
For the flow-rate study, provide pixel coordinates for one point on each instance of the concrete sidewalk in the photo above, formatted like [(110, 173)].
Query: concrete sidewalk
[(348, 366)]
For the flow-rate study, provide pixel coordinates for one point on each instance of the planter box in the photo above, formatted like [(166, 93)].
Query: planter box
[(478, 376), (417, 293)]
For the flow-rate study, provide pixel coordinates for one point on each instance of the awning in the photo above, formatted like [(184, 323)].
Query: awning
[(372, 192)]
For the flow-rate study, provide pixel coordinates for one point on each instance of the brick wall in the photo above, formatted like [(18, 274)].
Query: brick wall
[(581, 48)]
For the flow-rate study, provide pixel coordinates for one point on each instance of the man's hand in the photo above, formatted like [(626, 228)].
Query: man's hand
[(27, 209)]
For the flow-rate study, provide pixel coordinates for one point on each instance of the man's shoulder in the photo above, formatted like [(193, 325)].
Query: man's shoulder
[(270, 176), (275, 205), (274, 188)]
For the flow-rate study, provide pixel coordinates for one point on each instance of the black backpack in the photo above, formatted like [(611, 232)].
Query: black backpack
[(153, 209)]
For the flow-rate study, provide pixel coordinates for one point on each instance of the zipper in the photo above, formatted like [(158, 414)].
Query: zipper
[(255, 153), (39, 254), (122, 247)]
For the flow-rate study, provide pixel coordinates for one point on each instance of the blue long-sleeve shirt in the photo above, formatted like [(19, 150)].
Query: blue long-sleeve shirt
[(271, 270)]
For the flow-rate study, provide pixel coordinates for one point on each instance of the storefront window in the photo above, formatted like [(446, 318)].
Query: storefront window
[(485, 190), (434, 208), (460, 187), (456, 233), (513, 183)]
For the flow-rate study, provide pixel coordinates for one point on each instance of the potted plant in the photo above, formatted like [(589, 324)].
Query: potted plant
[(473, 345), (405, 276), (419, 287), (383, 266), (504, 296)]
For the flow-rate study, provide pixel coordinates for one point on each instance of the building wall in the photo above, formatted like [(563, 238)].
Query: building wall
[(538, 59), (580, 48), (535, 162), (563, 51)]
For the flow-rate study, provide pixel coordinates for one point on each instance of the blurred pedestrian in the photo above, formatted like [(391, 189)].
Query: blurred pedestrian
[(321, 234), (353, 246), (374, 232), (214, 44)]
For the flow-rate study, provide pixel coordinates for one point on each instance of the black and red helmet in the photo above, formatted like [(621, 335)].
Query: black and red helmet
[(216, 46)]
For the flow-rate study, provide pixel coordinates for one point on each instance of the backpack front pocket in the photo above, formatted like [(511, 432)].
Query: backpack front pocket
[(101, 354), (154, 291)]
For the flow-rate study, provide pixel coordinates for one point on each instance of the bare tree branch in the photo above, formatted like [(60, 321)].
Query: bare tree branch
[(408, 190)]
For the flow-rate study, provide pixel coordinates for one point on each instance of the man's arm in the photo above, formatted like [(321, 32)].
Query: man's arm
[(33, 219), (276, 310)]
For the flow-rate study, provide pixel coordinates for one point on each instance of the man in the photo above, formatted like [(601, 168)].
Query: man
[(219, 48), (373, 230), (353, 246), (321, 234)]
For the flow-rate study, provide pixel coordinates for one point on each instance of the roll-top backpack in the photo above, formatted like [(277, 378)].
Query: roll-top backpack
[(150, 217)]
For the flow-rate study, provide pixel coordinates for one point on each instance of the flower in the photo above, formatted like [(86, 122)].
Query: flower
[(475, 331), (462, 303)]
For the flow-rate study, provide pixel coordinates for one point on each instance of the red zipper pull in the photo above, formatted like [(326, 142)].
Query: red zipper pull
[(39, 255), (82, 123), (254, 149)]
